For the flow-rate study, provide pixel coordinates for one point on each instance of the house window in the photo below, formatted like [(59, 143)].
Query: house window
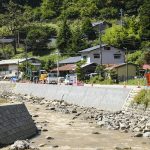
[(107, 48), (96, 55), (117, 56), (84, 57)]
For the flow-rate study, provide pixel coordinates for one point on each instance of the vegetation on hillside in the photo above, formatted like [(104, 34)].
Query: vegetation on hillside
[(34, 25)]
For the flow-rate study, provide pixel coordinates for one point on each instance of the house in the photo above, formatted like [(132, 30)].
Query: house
[(124, 71), (11, 65), (101, 26), (70, 69), (110, 55), (70, 60), (65, 69)]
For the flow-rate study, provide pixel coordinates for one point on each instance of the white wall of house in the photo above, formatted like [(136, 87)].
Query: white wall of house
[(13, 67), (112, 56)]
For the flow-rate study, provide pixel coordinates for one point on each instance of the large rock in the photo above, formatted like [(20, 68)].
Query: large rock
[(146, 134), (20, 145)]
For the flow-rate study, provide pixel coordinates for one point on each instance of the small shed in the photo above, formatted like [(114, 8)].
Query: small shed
[(124, 71)]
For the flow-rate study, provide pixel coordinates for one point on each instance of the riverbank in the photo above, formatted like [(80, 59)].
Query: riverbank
[(66, 126)]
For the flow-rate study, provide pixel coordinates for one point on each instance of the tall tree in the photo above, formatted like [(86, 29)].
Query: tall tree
[(14, 21), (78, 42), (88, 30), (145, 20), (64, 38)]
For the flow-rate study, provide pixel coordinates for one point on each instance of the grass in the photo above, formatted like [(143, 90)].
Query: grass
[(143, 97), (141, 82), (2, 101)]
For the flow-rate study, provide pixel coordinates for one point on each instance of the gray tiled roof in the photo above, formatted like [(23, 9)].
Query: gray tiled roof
[(92, 48), (71, 60), (3, 40), (13, 61)]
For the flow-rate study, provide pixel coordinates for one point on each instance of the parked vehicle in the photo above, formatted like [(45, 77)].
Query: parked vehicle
[(53, 79), (71, 79), (43, 76)]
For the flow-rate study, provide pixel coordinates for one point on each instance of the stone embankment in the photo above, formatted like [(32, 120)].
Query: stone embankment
[(15, 123), (135, 119)]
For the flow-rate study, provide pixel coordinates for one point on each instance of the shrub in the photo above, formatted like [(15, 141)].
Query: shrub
[(97, 79), (143, 97)]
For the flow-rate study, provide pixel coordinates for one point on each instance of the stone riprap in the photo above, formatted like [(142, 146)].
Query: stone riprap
[(15, 124), (106, 98), (135, 119)]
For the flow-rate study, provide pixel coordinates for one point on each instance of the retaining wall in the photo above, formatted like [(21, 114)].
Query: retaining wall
[(15, 124), (106, 98)]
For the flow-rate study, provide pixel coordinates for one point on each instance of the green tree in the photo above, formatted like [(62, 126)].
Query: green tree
[(145, 20), (115, 36), (88, 30), (79, 71), (136, 57), (49, 64), (14, 21), (78, 42), (147, 57), (108, 13), (100, 69), (37, 39), (46, 9), (64, 38)]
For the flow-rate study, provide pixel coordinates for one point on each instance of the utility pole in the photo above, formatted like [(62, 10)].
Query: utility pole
[(126, 51), (26, 56), (18, 39), (100, 51), (100, 47), (57, 66), (121, 13)]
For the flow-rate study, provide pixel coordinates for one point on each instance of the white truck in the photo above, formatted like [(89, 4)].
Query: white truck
[(53, 79), (71, 79)]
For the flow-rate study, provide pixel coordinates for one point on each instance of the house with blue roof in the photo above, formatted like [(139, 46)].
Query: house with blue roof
[(70, 60)]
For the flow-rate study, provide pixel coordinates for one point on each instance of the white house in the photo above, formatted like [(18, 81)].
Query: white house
[(11, 65), (110, 55)]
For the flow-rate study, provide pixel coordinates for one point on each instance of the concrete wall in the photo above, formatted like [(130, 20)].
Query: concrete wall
[(15, 123), (106, 98)]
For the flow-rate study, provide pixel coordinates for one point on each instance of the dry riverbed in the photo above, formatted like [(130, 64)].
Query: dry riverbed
[(64, 132)]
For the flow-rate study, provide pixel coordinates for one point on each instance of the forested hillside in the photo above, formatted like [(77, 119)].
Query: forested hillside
[(35, 25)]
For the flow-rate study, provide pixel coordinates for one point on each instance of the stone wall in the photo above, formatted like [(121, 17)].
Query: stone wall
[(15, 124)]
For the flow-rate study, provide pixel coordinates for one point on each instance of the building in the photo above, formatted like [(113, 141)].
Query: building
[(11, 65), (101, 26), (124, 71), (110, 55), (70, 60), (71, 69)]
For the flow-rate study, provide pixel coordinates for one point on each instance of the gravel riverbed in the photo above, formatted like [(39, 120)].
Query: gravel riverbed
[(66, 126)]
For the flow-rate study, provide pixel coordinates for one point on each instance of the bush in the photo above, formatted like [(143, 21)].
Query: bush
[(97, 79), (143, 97)]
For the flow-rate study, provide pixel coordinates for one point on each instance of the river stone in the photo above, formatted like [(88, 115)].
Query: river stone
[(101, 123), (20, 145), (122, 147), (148, 125), (138, 135), (146, 134)]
